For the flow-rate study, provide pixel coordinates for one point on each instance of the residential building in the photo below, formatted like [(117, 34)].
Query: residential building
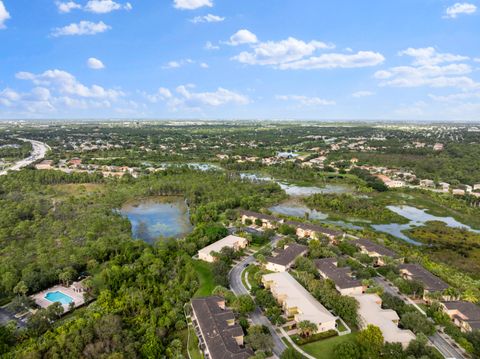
[(298, 304), (375, 250), (427, 183), (345, 283), (370, 312), (207, 254), (438, 147), (445, 186), (431, 283), (219, 336), (283, 259), (464, 315), (458, 192), (44, 165), (307, 230), (476, 187), (268, 221), (390, 183)]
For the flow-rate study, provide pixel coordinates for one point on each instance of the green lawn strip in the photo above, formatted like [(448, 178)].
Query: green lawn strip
[(193, 345), (205, 275), (323, 349)]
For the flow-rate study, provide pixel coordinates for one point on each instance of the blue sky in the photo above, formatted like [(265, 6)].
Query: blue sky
[(273, 59)]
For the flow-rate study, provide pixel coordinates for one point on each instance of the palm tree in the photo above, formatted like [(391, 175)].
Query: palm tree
[(306, 328)]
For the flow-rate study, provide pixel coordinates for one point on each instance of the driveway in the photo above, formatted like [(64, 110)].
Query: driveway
[(257, 317)]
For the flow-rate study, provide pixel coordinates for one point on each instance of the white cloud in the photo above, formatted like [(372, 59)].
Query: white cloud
[(477, 59), (210, 46), (429, 68), (177, 64), (95, 64), (105, 6), (452, 12), (4, 15), (65, 83), (305, 100), (66, 7), (204, 65), (430, 56), (185, 97), (456, 97), (360, 94), (82, 28), (296, 54), (276, 53), (242, 37), (162, 94), (207, 18), (336, 60), (191, 4)]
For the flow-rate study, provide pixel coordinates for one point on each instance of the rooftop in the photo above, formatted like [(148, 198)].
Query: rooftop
[(287, 255), (375, 247), (431, 282), (371, 312), (219, 336), (228, 241), (314, 228), (266, 217), (469, 312), (340, 275), (294, 295)]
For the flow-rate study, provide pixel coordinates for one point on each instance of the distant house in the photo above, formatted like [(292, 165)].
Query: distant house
[(75, 162), (268, 221), (306, 230), (390, 183), (370, 312), (219, 336), (341, 276), (464, 315), (431, 283), (476, 187), (374, 250), (298, 304), (207, 254), (283, 259), (438, 147), (445, 186), (427, 183), (458, 192), (44, 165)]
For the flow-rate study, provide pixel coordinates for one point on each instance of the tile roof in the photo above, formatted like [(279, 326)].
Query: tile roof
[(340, 275), (375, 247), (288, 254), (431, 282), (217, 333)]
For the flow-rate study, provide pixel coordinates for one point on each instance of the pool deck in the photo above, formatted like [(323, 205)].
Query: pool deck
[(77, 297)]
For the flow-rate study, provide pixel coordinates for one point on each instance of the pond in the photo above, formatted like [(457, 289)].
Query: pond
[(418, 217), (300, 191), (295, 208), (158, 217)]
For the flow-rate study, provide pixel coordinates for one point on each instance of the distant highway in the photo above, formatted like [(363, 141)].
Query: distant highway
[(38, 152)]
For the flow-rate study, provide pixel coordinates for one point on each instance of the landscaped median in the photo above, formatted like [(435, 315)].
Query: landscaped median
[(324, 348)]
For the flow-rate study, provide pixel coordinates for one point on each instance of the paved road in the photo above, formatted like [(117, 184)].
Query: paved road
[(439, 341), (257, 317), (39, 151)]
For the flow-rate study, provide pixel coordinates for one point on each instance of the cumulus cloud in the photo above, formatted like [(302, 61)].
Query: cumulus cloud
[(184, 97), (242, 37), (65, 83), (66, 7), (105, 6), (457, 9), (336, 60), (95, 64), (207, 18), (204, 65), (275, 53), (191, 4), (294, 54), (360, 94), (4, 15), (94, 6), (305, 100), (177, 64), (210, 46), (81, 28), (429, 68)]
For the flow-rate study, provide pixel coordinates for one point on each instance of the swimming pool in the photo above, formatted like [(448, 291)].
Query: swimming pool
[(58, 297)]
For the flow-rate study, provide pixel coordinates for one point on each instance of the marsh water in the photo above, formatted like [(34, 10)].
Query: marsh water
[(158, 217), (418, 217)]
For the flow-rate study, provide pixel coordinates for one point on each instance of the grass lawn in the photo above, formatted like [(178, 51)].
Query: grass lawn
[(323, 349), (193, 345), (205, 275)]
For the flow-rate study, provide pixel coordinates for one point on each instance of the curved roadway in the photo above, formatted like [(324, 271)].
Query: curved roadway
[(39, 150)]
